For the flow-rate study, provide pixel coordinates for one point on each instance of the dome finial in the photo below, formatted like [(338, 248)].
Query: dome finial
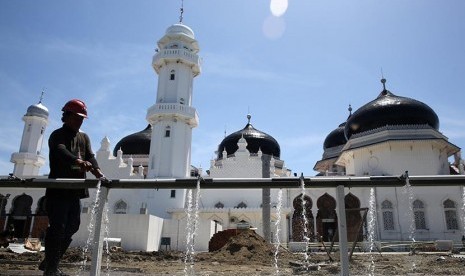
[(350, 109), (248, 118), (42, 95), (383, 80), (182, 11)]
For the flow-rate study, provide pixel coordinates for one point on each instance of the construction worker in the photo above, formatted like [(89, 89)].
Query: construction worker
[(70, 156)]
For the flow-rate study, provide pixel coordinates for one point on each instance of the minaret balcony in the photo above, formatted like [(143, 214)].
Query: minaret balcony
[(162, 111), (183, 55), (27, 158)]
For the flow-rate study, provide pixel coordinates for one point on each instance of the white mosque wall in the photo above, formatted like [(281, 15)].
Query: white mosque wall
[(395, 157), (435, 219), (115, 167), (176, 229), (137, 232), (237, 166)]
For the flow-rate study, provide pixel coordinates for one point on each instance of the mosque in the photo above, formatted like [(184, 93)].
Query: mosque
[(388, 135)]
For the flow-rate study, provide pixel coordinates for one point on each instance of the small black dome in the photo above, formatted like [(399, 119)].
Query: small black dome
[(335, 138), (256, 140), (136, 143), (389, 109)]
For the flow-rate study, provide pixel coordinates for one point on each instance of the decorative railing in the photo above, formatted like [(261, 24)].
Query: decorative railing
[(179, 110), (176, 54)]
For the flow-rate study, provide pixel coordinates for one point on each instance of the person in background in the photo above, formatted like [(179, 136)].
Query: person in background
[(70, 156)]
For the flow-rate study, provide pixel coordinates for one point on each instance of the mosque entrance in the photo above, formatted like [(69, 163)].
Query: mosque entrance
[(20, 216), (298, 220), (353, 218), (326, 218), (40, 223)]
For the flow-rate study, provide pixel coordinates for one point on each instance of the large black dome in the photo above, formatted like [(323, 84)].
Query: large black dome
[(389, 109), (256, 140), (335, 138), (136, 143)]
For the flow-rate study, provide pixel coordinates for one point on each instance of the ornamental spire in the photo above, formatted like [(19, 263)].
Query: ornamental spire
[(42, 95), (182, 11), (383, 80)]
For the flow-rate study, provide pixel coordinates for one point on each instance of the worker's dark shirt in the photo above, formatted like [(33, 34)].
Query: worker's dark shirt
[(66, 146)]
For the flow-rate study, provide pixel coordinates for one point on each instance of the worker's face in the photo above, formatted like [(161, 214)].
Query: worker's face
[(74, 121)]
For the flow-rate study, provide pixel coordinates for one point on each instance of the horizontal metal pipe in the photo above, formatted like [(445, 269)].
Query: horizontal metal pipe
[(241, 183)]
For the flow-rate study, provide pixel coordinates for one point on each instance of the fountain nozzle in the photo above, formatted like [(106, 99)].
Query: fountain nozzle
[(404, 176)]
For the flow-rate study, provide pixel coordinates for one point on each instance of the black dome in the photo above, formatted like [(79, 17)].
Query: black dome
[(389, 109), (335, 138), (256, 140), (136, 143)]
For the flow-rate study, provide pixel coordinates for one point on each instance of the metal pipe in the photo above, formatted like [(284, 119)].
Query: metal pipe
[(243, 183), (97, 246), (231, 183), (342, 227)]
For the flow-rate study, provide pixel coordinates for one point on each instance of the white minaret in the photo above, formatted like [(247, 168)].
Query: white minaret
[(172, 116), (28, 160)]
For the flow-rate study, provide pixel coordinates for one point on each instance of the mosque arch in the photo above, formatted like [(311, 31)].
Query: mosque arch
[(353, 217), (218, 223), (40, 209), (450, 214), (121, 207), (167, 131), (243, 218), (219, 205), (302, 219), (40, 222), (419, 214), (326, 218), (387, 210), (216, 219), (172, 75), (21, 215)]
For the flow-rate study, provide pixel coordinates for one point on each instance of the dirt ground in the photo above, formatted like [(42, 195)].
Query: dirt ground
[(245, 254)]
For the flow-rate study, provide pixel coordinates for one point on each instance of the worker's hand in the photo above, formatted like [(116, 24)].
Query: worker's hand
[(104, 179), (99, 174), (84, 165)]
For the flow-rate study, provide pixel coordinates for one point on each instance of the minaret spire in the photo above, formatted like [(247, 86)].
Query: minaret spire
[(383, 80), (182, 11), (42, 95)]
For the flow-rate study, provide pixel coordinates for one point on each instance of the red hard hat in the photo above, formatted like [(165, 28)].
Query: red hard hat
[(77, 107)]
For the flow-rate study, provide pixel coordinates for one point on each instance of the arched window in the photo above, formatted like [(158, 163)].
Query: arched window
[(172, 74), (451, 215), (419, 214), (167, 131), (219, 205), (388, 215), (121, 207)]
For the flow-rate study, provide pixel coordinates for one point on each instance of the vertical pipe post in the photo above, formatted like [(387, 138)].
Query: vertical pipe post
[(342, 226), (266, 199), (97, 247)]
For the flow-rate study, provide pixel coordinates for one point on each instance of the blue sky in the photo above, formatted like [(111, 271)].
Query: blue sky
[(295, 71)]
